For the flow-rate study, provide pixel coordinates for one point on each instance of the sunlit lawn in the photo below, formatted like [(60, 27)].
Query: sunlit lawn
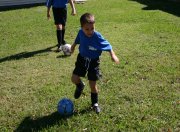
[(140, 94)]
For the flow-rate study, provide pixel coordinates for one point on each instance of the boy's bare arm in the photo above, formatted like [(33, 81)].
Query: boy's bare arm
[(114, 57), (73, 47), (73, 7), (48, 13)]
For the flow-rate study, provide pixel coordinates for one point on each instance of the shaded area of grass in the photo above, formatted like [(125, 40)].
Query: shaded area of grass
[(30, 124), (25, 54), (22, 6), (163, 5)]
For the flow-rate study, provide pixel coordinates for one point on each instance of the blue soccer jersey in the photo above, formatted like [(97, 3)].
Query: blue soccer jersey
[(93, 46), (57, 3)]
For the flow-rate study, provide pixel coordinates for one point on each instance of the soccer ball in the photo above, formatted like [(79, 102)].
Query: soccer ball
[(65, 107), (66, 49)]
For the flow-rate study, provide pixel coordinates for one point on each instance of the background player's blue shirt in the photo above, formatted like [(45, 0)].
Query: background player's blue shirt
[(57, 3), (93, 46)]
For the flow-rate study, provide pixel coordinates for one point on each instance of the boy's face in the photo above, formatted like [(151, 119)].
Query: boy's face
[(88, 29)]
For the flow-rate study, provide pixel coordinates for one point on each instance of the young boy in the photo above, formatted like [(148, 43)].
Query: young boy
[(91, 44), (59, 8)]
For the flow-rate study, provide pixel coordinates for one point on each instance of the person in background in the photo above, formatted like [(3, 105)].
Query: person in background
[(59, 8)]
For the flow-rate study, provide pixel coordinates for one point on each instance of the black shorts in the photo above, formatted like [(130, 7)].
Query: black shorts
[(60, 15), (85, 65)]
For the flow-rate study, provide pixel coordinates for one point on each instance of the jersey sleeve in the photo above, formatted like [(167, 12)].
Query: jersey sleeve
[(77, 40), (49, 3), (103, 45)]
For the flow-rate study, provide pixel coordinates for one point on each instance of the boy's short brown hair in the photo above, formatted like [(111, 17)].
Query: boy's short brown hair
[(87, 18)]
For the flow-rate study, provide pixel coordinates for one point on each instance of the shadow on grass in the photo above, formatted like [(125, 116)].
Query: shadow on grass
[(25, 54), (32, 125), (23, 6), (168, 6), (63, 56), (29, 124)]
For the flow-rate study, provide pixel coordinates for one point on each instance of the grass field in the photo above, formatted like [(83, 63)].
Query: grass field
[(142, 93)]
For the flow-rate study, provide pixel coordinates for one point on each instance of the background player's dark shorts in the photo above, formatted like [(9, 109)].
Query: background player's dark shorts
[(60, 15), (85, 65)]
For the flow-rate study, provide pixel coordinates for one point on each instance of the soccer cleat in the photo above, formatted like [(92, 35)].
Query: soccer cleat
[(79, 90), (64, 42), (59, 49), (96, 108)]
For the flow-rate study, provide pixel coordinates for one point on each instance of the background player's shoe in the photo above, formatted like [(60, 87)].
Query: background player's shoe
[(59, 49), (96, 108)]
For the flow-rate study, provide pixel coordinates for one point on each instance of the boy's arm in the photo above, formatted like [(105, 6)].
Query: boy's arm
[(73, 47), (73, 7), (49, 4), (113, 56), (48, 13)]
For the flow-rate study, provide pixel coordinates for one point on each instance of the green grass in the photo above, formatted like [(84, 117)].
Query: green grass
[(142, 93)]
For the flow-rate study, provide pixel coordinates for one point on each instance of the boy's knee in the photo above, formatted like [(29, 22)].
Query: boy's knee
[(75, 79), (72, 79), (59, 27), (93, 86)]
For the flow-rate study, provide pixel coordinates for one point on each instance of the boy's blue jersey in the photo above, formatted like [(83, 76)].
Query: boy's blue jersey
[(93, 46), (57, 3)]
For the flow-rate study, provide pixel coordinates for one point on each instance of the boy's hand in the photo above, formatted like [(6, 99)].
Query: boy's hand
[(73, 13), (115, 59), (72, 48), (48, 13), (48, 16)]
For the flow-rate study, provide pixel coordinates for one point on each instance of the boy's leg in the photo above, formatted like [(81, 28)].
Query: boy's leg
[(94, 96), (79, 71), (59, 22), (75, 79), (59, 34), (63, 34), (79, 85)]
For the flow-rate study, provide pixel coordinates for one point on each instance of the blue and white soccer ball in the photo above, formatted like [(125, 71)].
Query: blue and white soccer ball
[(65, 107), (66, 49)]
